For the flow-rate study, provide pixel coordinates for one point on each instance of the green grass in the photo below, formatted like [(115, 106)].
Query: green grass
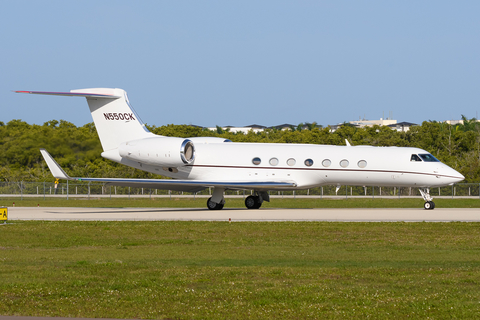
[(176, 202), (241, 270)]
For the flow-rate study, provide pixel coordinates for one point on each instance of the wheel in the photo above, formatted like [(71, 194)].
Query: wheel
[(213, 205), (252, 202), (429, 205)]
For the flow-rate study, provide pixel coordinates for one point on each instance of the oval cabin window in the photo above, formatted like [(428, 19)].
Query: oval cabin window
[(344, 163), (326, 163), (291, 162), (273, 161), (309, 162), (256, 161), (362, 164)]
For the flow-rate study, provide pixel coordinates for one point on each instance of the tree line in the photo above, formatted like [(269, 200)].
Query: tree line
[(78, 149)]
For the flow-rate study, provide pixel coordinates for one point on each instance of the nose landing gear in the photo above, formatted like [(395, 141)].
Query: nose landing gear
[(429, 204)]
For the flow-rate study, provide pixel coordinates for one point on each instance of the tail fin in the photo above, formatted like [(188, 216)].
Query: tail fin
[(114, 118)]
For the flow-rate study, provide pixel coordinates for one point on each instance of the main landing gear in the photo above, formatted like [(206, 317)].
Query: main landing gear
[(217, 201), (255, 201), (213, 205), (429, 204)]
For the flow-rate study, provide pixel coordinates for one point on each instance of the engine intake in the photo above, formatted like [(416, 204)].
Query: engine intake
[(187, 151)]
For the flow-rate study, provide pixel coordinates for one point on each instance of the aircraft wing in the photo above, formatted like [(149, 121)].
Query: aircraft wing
[(167, 184)]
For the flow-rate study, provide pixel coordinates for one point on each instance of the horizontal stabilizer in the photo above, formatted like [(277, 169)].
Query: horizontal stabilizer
[(74, 93)]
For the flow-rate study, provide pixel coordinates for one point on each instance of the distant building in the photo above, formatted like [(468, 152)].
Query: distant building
[(284, 126), (335, 127), (371, 123), (402, 126), (254, 127), (454, 122)]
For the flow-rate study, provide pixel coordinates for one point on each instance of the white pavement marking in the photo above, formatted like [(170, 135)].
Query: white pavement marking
[(198, 214)]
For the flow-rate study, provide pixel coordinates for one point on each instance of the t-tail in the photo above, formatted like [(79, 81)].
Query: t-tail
[(114, 118)]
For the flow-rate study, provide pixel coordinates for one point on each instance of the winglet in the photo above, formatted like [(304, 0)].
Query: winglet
[(54, 167), (347, 143)]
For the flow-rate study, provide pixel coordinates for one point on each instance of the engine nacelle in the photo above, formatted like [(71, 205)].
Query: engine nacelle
[(159, 151)]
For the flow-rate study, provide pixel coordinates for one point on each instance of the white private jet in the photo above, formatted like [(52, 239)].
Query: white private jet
[(203, 162)]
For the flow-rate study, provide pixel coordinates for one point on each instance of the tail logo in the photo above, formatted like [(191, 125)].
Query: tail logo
[(119, 116)]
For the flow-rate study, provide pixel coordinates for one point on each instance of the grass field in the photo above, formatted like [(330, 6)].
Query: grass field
[(177, 202), (241, 270)]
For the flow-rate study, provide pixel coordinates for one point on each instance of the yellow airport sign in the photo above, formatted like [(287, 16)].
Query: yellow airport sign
[(3, 213)]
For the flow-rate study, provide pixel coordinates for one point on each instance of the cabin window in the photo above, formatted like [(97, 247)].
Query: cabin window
[(309, 162), (427, 157), (291, 162), (256, 161), (344, 163), (326, 163), (273, 161), (415, 158), (362, 164)]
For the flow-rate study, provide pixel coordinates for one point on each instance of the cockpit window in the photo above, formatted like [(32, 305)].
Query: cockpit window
[(427, 157), (415, 158)]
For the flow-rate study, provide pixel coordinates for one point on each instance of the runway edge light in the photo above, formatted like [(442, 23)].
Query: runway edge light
[(4, 214)]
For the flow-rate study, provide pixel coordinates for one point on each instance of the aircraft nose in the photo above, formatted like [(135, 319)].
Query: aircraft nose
[(456, 176), (460, 177)]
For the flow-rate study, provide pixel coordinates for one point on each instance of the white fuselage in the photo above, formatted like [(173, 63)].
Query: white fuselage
[(362, 165)]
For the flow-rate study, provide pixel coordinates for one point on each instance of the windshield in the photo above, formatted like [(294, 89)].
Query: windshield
[(415, 158), (427, 157)]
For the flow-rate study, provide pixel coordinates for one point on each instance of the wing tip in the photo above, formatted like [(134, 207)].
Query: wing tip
[(54, 167)]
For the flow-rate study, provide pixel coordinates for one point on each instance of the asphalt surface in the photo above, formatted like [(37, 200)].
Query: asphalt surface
[(200, 214)]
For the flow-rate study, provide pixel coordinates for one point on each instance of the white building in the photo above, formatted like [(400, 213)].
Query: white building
[(402, 126), (254, 127), (371, 123), (392, 124)]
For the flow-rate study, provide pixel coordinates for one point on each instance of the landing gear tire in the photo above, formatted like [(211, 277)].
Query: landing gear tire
[(429, 205), (253, 202), (213, 205)]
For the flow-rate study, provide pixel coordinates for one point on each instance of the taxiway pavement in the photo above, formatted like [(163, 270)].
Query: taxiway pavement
[(200, 214)]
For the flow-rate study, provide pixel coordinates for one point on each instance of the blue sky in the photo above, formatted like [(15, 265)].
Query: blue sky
[(238, 63)]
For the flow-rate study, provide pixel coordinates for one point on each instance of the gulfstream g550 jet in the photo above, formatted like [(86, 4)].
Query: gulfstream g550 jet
[(199, 163)]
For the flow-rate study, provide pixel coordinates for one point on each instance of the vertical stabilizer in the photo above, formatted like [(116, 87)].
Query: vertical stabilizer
[(114, 118)]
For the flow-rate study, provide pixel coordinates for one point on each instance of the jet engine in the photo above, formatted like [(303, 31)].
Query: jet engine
[(159, 151)]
